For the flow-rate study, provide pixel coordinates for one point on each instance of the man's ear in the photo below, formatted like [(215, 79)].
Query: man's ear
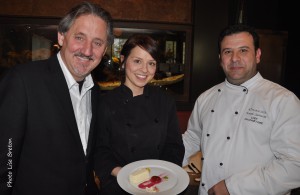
[(60, 38), (220, 60), (257, 55)]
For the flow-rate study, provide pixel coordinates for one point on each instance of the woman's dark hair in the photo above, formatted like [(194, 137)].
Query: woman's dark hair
[(143, 41), (85, 8), (238, 28)]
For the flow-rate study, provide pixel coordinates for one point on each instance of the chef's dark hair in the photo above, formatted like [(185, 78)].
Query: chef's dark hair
[(238, 28)]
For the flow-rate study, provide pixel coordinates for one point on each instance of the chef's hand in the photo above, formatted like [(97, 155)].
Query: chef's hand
[(219, 189)]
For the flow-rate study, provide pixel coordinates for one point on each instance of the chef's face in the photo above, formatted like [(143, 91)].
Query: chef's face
[(238, 57), (140, 68), (83, 45)]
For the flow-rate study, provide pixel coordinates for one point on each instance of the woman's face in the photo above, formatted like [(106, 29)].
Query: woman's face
[(140, 68)]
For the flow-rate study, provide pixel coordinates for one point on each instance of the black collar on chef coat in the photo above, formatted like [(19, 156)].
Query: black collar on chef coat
[(128, 93)]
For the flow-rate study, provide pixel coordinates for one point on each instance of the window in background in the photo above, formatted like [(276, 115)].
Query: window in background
[(29, 39)]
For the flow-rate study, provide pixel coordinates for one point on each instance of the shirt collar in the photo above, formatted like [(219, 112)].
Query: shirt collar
[(246, 84)]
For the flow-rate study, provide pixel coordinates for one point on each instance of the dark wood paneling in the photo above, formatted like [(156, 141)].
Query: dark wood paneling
[(206, 70), (175, 11)]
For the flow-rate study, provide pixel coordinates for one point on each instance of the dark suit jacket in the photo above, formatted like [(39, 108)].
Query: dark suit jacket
[(40, 147)]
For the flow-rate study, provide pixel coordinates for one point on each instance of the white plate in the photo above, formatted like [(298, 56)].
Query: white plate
[(178, 179)]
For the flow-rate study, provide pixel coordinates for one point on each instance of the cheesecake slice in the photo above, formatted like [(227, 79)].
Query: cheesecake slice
[(139, 176)]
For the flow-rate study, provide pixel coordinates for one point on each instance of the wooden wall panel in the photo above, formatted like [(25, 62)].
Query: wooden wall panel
[(174, 11)]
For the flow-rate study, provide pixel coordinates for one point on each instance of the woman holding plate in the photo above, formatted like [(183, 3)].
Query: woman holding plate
[(136, 121)]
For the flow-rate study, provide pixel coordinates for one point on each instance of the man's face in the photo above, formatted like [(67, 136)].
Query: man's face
[(84, 45), (238, 57)]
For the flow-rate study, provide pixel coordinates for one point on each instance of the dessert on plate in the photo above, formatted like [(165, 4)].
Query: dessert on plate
[(139, 176), (142, 180)]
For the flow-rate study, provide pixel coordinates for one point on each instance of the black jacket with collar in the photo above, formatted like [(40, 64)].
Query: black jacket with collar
[(136, 128), (38, 125)]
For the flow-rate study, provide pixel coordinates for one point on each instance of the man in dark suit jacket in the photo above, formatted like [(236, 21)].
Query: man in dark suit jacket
[(47, 111)]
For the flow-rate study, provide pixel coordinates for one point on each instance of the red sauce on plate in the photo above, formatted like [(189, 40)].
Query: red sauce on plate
[(151, 182)]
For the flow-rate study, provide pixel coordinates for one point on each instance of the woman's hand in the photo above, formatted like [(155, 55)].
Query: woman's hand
[(115, 171)]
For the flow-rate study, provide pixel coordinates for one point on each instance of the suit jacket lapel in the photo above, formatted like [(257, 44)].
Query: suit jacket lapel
[(95, 95), (58, 85)]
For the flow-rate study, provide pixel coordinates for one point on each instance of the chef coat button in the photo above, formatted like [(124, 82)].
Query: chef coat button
[(208, 135), (221, 164), (212, 110), (219, 90), (126, 101), (128, 124), (236, 112), (156, 120), (228, 138), (244, 90), (202, 158), (203, 184)]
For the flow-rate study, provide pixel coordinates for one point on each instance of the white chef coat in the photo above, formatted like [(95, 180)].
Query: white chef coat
[(249, 135)]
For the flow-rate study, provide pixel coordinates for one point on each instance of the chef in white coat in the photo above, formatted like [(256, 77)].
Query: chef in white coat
[(247, 127)]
